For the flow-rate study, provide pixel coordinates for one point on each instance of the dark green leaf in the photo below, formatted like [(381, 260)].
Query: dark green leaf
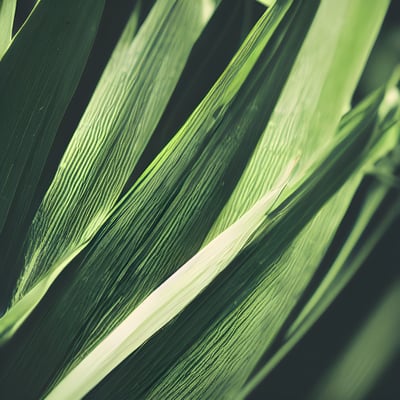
[(163, 220), (119, 121), (37, 81)]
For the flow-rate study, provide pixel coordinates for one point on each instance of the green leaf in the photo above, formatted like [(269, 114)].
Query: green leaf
[(204, 357), (352, 254), (7, 12), (369, 354), (316, 95), (29, 118), (37, 81), (112, 312), (211, 54), (165, 302), (169, 299), (343, 269), (106, 146), (163, 220), (222, 94), (359, 244)]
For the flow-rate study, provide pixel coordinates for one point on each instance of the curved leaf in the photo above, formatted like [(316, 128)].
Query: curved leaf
[(37, 81), (107, 144), (7, 11)]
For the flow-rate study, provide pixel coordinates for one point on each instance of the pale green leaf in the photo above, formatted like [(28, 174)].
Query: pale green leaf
[(7, 12), (341, 272), (353, 253), (165, 302), (164, 218), (315, 97), (205, 357)]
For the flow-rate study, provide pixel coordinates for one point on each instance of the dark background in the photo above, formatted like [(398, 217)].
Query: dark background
[(332, 332)]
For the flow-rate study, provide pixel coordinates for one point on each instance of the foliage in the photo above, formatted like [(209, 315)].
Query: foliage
[(193, 231)]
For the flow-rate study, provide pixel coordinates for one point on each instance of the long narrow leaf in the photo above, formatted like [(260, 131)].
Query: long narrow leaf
[(341, 272), (7, 12), (200, 336), (163, 220), (37, 81), (27, 118), (165, 302), (357, 247), (348, 262), (106, 146), (139, 78), (315, 97)]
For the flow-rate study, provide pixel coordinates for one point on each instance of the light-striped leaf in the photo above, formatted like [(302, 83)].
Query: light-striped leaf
[(317, 94), (163, 220), (200, 338), (166, 301), (37, 81), (354, 251), (118, 123), (7, 11)]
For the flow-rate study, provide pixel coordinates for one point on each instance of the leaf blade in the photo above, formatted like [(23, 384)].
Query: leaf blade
[(200, 316), (312, 103), (147, 238), (104, 149), (7, 12), (196, 273), (31, 108), (15, 62)]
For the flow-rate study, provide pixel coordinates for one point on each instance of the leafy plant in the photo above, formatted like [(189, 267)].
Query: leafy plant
[(192, 232)]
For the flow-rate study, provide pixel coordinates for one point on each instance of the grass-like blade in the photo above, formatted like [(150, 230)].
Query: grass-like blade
[(200, 335), (310, 315), (315, 97), (106, 146), (7, 12), (27, 119), (165, 302), (378, 211), (37, 81), (377, 193), (163, 220), (232, 80), (370, 353), (342, 269), (211, 54)]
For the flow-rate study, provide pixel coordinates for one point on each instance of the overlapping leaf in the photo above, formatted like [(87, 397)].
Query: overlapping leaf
[(316, 95), (367, 230), (7, 11), (109, 140), (369, 354), (31, 108), (164, 218), (199, 336), (210, 56), (115, 295), (166, 301)]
